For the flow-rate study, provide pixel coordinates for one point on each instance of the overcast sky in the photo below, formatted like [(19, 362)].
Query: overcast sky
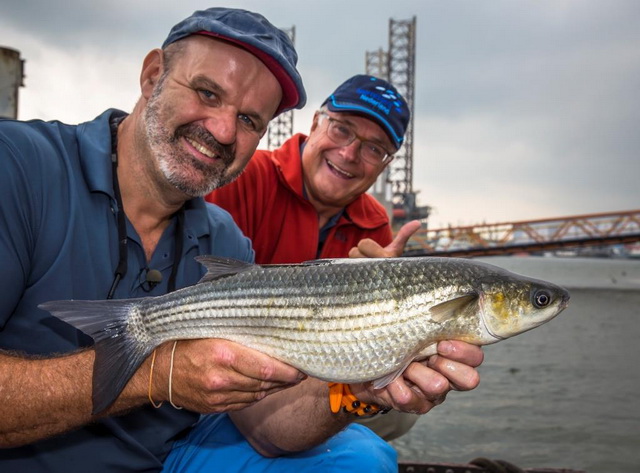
[(523, 109)]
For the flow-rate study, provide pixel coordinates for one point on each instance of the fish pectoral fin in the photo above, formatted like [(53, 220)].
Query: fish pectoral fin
[(446, 310), (221, 267)]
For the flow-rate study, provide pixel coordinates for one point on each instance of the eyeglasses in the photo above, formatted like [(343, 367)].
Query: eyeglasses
[(342, 135)]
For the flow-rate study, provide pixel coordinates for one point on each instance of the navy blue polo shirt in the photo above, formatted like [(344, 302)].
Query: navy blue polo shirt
[(59, 240)]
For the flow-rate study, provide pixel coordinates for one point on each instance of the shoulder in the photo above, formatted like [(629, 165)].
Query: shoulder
[(33, 158), (260, 166), (23, 138), (256, 179), (366, 211), (34, 144), (226, 237)]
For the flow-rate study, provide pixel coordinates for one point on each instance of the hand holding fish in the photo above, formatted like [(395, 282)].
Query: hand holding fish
[(424, 385), (216, 375), (299, 418), (368, 248)]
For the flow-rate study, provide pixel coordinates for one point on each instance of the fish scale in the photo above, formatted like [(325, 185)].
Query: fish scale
[(338, 320)]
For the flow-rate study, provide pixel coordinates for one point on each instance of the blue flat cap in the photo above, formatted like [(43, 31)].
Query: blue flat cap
[(253, 32)]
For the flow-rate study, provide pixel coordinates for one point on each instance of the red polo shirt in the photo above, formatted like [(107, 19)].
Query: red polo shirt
[(268, 204)]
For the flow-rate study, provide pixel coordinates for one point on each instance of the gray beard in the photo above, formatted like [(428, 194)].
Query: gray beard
[(176, 165)]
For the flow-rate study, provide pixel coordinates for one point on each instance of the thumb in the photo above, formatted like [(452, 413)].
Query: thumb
[(396, 247)]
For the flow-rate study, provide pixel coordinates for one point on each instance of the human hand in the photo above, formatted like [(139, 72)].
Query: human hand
[(367, 248), (216, 375), (424, 385)]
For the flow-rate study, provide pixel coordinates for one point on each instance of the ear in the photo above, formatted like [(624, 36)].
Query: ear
[(152, 68), (316, 121)]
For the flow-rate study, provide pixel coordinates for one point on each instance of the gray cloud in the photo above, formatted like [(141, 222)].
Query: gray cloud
[(523, 109)]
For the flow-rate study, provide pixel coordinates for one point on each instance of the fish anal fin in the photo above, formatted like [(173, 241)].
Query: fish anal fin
[(424, 353), (427, 351), (385, 380), (446, 310)]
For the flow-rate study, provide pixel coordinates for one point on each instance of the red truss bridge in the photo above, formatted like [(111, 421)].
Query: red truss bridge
[(529, 235)]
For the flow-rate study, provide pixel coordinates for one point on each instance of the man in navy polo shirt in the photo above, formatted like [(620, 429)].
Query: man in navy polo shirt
[(112, 208)]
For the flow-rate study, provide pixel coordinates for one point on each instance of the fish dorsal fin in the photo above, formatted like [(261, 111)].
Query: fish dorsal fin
[(322, 262), (221, 267), (446, 310)]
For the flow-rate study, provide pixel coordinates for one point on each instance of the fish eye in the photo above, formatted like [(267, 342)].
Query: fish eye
[(541, 298)]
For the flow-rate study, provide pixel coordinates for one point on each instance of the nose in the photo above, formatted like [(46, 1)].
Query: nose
[(223, 126), (351, 152)]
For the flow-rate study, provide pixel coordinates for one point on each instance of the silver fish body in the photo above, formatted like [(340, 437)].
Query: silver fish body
[(346, 320)]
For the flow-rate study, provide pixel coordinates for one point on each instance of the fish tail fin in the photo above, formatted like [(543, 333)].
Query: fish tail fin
[(118, 353)]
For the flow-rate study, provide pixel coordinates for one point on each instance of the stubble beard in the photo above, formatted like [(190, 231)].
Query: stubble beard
[(183, 171)]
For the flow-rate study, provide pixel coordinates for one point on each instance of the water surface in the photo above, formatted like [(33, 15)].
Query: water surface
[(563, 395)]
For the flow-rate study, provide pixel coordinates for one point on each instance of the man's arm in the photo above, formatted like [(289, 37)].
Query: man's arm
[(43, 397), (40, 398), (300, 418)]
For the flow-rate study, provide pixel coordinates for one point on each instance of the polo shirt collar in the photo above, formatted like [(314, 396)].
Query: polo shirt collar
[(94, 149)]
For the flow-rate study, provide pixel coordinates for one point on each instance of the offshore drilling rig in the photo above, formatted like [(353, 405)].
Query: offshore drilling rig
[(394, 188), (397, 65)]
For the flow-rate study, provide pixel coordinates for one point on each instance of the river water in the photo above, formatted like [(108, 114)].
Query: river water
[(566, 394)]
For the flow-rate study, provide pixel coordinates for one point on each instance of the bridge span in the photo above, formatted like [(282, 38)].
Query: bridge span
[(528, 235)]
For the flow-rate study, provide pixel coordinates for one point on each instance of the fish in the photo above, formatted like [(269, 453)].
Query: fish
[(340, 320)]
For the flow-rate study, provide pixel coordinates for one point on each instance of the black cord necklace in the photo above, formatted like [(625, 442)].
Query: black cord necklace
[(121, 269)]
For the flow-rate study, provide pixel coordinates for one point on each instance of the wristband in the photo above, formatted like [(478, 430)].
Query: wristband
[(341, 398)]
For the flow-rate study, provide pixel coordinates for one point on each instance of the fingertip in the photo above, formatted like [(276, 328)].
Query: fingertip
[(445, 348)]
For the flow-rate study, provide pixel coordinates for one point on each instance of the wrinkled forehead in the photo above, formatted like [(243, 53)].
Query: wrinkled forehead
[(228, 69)]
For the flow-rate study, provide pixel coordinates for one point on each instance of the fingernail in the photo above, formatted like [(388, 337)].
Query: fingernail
[(444, 348)]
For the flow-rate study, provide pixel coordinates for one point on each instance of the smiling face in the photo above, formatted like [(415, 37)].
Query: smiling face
[(334, 176), (206, 113)]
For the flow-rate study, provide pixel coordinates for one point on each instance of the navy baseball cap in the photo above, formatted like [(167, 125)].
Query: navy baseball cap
[(376, 99), (253, 32)]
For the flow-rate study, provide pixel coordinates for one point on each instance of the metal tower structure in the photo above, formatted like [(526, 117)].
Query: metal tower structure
[(377, 64), (11, 79), (398, 67), (401, 69), (281, 127)]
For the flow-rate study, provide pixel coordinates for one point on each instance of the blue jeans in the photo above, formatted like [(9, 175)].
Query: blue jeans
[(215, 445)]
